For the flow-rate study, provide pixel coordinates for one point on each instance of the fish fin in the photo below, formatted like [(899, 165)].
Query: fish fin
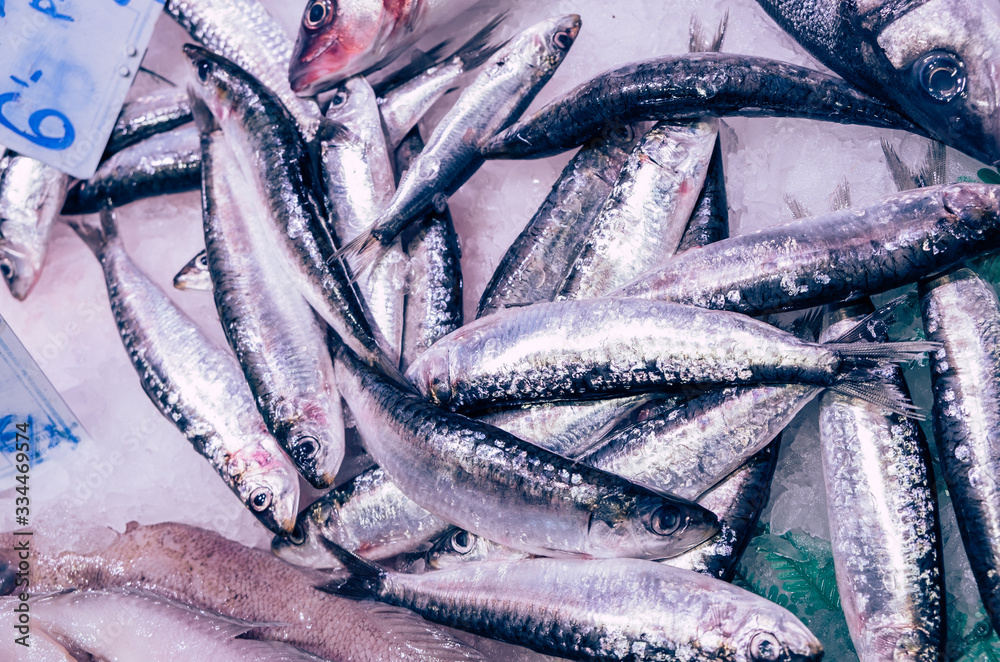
[(699, 42), (330, 130), (809, 325), (933, 169), (904, 178), (881, 393), (392, 372), (865, 354), (478, 48), (841, 197), (362, 252), (864, 330), (797, 208), (364, 580), (203, 117)]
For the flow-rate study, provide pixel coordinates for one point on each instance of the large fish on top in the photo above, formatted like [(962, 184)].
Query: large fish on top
[(936, 61), (338, 39)]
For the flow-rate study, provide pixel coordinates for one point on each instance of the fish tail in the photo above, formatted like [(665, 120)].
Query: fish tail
[(881, 393), (97, 236), (934, 168), (904, 178), (857, 353), (699, 42), (841, 196), (478, 48), (869, 328), (364, 581), (362, 252), (796, 207)]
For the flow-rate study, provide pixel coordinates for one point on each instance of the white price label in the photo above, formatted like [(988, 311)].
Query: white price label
[(65, 69)]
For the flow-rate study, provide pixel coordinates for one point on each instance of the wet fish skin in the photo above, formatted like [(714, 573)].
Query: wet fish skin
[(688, 86), (884, 526), (487, 481), (243, 32), (456, 547), (890, 50), (340, 39), (368, 515), (194, 384), (835, 256), (42, 648), (165, 163), (533, 267), (601, 609), (277, 165), (961, 310), (194, 275), (278, 341), (206, 571), (709, 221), (500, 92), (146, 116), (30, 195)]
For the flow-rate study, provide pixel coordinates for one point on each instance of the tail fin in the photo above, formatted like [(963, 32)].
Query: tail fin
[(904, 178), (362, 252), (867, 328), (478, 48), (862, 372), (364, 581), (882, 393), (699, 42), (797, 208), (931, 173), (96, 236), (841, 198), (882, 353)]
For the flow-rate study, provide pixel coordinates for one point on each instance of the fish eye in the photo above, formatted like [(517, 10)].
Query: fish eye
[(340, 98), (941, 75), (623, 133), (665, 520), (764, 647), (305, 448), (562, 40), (317, 14), (202, 261), (7, 270), (260, 499), (204, 69), (462, 542)]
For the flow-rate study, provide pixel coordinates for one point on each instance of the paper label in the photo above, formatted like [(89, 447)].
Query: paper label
[(65, 68)]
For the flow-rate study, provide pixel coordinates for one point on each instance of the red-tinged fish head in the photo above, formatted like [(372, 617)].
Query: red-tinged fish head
[(338, 38), (316, 442), (216, 85), (268, 484)]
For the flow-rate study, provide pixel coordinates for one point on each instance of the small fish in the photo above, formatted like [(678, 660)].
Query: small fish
[(500, 92), (165, 163), (934, 60), (146, 116), (197, 386), (709, 221), (194, 275), (340, 39), (30, 195), (600, 609), (688, 86)]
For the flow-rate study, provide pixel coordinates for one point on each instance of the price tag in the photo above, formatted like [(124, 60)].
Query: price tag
[(65, 68)]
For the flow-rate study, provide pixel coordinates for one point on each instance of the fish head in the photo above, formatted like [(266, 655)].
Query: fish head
[(650, 526), (543, 46), (945, 56), (316, 443), (352, 100), (216, 85), (269, 486), (431, 374), (195, 274), (337, 39), (302, 546), (20, 268), (774, 635)]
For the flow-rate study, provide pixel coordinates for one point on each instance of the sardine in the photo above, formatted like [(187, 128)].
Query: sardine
[(834, 256), (936, 61), (457, 547), (243, 32), (493, 484), (500, 92), (146, 116), (206, 571), (883, 522), (687, 86), (30, 195), (194, 384), (279, 342), (961, 311), (340, 39), (709, 221), (533, 267), (601, 609), (277, 165), (573, 349), (166, 163), (194, 275)]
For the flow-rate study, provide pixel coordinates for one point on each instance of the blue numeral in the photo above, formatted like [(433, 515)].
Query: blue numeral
[(35, 125)]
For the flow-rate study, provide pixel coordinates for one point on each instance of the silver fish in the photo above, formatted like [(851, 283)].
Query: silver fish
[(243, 32), (457, 547), (194, 275), (146, 116), (196, 385), (883, 522), (491, 483), (279, 342), (601, 609), (500, 92), (961, 311), (834, 256), (30, 195), (709, 221)]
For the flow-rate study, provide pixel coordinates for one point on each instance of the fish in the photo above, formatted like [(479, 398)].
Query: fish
[(196, 385), (586, 348), (165, 163), (30, 195), (206, 571), (961, 311), (884, 527), (148, 115), (41, 647), (136, 625), (935, 61), (835, 256), (493, 484), (457, 547), (337, 40), (368, 515), (276, 163), (194, 275), (533, 267), (598, 609), (500, 92), (278, 341), (709, 221), (687, 86), (244, 33)]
